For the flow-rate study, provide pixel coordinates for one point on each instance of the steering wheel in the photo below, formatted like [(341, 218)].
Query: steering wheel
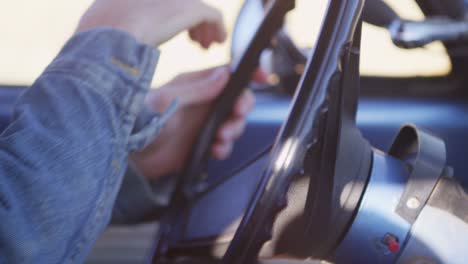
[(319, 145)]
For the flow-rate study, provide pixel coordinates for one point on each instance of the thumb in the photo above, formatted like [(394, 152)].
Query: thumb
[(204, 86)]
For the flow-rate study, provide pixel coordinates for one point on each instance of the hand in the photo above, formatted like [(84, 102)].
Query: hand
[(196, 92), (153, 22)]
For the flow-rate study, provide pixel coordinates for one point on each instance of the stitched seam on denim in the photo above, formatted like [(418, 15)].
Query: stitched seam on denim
[(134, 71), (128, 117), (119, 137), (148, 58), (97, 213), (133, 98), (93, 79), (116, 130), (143, 79), (132, 87), (81, 79), (111, 40), (148, 133), (105, 66)]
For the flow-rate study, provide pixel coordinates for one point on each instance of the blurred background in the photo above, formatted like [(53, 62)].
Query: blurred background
[(32, 33)]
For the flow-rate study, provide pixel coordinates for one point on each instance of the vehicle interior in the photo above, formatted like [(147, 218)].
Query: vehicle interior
[(340, 162)]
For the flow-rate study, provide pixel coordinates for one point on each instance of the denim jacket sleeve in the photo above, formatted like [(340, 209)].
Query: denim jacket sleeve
[(64, 155), (140, 199)]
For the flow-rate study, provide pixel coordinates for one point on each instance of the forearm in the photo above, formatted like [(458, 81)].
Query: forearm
[(63, 156)]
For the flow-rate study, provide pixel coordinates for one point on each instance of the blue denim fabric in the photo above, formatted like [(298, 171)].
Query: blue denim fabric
[(141, 200), (64, 155)]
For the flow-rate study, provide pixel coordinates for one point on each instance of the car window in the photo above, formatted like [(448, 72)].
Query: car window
[(33, 32), (381, 58)]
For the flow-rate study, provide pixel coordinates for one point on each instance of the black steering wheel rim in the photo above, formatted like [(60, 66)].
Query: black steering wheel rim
[(319, 96), (312, 109), (191, 181)]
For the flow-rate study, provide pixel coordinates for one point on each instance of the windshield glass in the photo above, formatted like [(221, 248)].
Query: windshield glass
[(34, 31)]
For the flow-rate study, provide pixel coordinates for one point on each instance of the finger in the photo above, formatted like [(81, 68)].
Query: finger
[(194, 76), (221, 34), (213, 34), (244, 104), (194, 34), (203, 87), (231, 130), (204, 34), (158, 99), (222, 151), (189, 86), (213, 18), (199, 29), (210, 33), (260, 76), (207, 38)]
